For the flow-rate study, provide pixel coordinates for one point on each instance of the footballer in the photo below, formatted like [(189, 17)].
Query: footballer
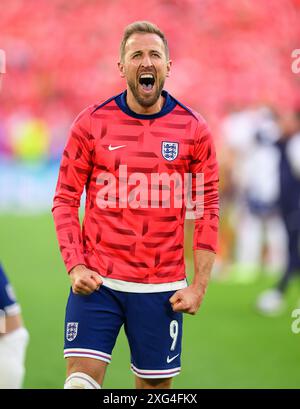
[(126, 262)]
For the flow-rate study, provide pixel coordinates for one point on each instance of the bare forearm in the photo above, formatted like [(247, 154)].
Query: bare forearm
[(189, 299), (203, 263)]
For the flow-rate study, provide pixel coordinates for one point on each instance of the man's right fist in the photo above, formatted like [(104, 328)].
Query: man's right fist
[(84, 281)]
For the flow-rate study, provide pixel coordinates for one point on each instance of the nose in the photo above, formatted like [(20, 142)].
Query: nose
[(146, 62)]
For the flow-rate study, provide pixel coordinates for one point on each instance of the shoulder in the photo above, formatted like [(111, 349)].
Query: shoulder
[(84, 116), (198, 120), (199, 129), (106, 104), (89, 112)]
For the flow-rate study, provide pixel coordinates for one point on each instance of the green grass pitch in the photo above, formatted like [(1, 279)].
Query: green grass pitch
[(226, 345)]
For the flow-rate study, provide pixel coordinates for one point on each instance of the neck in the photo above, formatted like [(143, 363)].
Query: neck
[(139, 109)]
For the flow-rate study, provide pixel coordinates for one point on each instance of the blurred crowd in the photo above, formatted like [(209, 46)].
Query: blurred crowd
[(61, 57)]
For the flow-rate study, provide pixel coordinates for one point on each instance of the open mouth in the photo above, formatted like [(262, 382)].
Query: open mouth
[(147, 81)]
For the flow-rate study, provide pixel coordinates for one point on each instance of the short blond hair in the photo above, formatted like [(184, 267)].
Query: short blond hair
[(144, 27)]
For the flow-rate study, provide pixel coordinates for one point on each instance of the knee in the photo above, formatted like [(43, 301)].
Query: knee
[(91, 369), (80, 380), (12, 355)]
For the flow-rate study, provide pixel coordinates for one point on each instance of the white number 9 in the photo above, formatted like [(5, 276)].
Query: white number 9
[(173, 333)]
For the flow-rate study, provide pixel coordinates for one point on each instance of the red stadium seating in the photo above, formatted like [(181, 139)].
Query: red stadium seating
[(61, 55)]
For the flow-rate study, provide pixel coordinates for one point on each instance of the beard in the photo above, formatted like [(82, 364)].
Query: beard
[(147, 100)]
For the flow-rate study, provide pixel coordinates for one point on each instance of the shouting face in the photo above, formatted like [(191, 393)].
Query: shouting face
[(145, 67)]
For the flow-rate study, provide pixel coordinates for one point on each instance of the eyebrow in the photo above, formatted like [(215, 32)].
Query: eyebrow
[(140, 51)]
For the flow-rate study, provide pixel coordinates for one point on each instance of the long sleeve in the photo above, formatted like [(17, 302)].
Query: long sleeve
[(74, 172), (205, 193)]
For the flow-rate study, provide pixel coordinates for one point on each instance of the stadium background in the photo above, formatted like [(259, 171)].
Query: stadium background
[(61, 57)]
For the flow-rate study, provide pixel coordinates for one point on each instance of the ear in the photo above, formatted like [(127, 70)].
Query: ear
[(121, 69), (169, 65)]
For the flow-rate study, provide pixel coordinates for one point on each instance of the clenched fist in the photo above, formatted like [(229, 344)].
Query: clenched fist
[(84, 281), (187, 300)]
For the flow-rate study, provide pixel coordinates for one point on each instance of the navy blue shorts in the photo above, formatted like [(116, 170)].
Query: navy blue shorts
[(153, 329), (8, 302)]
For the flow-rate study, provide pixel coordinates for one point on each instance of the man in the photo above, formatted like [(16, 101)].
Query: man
[(271, 302), (249, 136), (13, 335), (127, 265)]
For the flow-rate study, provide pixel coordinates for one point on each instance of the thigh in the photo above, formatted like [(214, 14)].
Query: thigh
[(92, 325), (154, 332)]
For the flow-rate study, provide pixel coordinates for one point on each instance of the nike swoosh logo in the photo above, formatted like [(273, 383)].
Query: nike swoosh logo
[(112, 148), (171, 359)]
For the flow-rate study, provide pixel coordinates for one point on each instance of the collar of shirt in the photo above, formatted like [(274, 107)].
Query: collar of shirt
[(169, 105)]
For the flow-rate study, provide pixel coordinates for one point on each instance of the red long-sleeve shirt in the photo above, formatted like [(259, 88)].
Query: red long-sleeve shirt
[(128, 242)]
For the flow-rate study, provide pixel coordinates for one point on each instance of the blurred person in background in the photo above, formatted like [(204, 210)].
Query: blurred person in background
[(252, 160), (13, 335), (271, 302)]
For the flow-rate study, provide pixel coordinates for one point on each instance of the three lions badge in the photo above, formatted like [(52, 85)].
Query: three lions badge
[(72, 329), (169, 150)]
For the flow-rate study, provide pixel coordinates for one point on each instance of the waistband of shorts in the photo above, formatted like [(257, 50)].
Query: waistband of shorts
[(131, 287)]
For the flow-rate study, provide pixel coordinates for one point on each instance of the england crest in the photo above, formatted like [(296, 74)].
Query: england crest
[(169, 150), (72, 328)]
